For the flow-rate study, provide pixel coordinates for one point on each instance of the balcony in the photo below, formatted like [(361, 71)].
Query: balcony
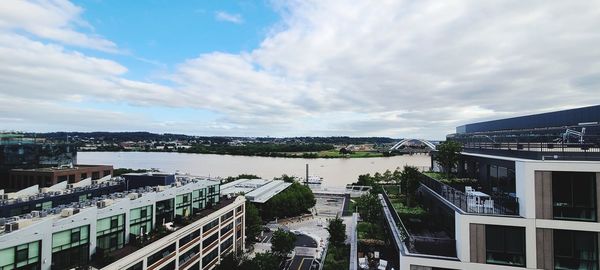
[(475, 202), (419, 230)]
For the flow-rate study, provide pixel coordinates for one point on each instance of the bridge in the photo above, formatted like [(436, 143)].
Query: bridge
[(404, 142)]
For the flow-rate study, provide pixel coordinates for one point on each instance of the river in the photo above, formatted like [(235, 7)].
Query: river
[(335, 172)]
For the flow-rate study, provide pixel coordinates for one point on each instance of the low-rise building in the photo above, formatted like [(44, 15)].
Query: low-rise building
[(255, 190), (48, 176), (185, 225)]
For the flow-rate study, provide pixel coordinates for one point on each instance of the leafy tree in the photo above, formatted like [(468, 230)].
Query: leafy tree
[(286, 178), (282, 243), (253, 222), (410, 178), (241, 176), (293, 201), (231, 261), (262, 261), (369, 207), (397, 178), (337, 231), (387, 176), (447, 155)]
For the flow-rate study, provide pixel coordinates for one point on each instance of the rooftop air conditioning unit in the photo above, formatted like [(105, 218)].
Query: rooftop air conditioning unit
[(12, 226), (69, 186), (4, 196), (133, 196), (67, 212)]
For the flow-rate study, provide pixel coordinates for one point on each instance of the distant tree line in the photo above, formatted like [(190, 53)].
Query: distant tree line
[(257, 149)]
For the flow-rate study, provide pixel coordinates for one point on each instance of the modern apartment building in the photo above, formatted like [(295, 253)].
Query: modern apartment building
[(20, 152), (531, 201), (185, 225)]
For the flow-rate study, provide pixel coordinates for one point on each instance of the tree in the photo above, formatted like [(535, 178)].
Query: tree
[(262, 261), (230, 262), (337, 231), (410, 176), (286, 178), (369, 207), (397, 178), (253, 222), (447, 155), (282, 243), (293, 201)]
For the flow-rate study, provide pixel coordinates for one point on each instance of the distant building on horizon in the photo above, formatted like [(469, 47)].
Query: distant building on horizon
[(20, 152)]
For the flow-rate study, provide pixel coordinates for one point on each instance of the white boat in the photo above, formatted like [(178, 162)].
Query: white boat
[(315, 180)]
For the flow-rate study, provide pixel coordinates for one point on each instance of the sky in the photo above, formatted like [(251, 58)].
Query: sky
[(292, 68)]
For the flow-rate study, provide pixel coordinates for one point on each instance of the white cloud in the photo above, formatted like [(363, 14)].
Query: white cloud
[(398, 68), (229, 17), (56, 20)]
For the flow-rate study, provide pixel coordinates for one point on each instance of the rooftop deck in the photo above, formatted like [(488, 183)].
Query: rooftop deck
[(561, 143), (493, 205)]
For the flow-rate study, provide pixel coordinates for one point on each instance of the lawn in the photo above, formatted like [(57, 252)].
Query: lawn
[(337, 258)]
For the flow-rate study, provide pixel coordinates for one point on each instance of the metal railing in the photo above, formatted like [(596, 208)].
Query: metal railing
[(501, 205), (531, 144)]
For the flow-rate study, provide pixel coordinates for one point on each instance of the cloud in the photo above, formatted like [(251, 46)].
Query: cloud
[(229, 17), (398, 68), (56, 20)]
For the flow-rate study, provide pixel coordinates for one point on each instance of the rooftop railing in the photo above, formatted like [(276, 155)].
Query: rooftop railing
[(496, 205), (552, 143)]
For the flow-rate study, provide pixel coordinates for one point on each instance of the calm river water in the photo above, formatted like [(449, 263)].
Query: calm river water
[(335, 172)]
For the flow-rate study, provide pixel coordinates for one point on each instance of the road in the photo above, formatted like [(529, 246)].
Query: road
[(301, 263)]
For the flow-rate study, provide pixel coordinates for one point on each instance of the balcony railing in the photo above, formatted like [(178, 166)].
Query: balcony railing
[(496, 205), (420, 244)]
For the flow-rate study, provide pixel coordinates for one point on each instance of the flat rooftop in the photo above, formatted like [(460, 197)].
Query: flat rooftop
[(62, 168), (255, 190)]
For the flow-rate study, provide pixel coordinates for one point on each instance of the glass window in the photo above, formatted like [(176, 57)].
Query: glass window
[(505, 245), (575, 250), (161, 254), (574, 195)]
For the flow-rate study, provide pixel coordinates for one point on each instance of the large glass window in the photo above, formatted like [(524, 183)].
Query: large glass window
[(70, 248), (210, 257), (26, 256), (574, 195), (502, 180), (183, 204), (188, 238), (185, 257), (505, 245), (210, 225), (208, 241), (140, 220), (110, 232), (165, 211), (161, 254), (575, 250)]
